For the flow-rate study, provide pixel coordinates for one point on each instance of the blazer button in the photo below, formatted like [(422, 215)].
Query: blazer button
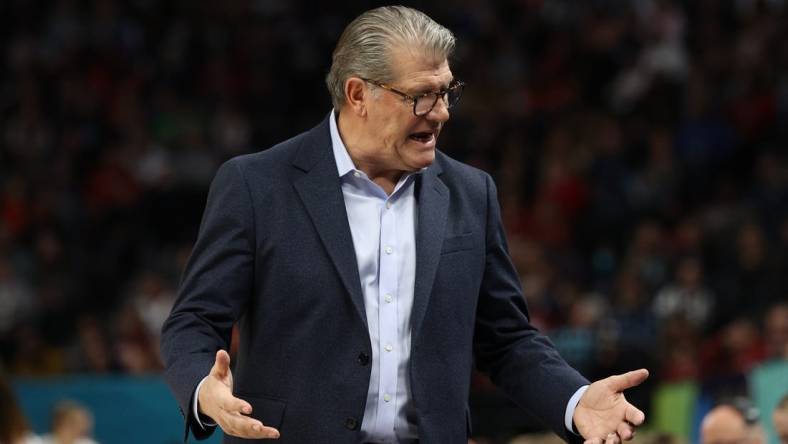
[(363, 359), (351, 423)]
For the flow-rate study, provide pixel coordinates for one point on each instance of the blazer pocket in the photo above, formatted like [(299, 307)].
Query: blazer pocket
[(270, 411), (457, 243)]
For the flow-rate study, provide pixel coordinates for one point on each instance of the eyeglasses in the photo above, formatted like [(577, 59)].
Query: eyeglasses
[(424, 103)]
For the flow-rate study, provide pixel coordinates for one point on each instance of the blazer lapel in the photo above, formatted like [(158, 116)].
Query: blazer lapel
[(433, 201), (320, 190)]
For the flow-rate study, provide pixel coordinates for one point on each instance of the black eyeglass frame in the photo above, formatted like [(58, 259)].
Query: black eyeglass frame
[(454, 85)]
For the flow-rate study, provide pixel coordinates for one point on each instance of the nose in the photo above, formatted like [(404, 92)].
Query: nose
[(439, 112)]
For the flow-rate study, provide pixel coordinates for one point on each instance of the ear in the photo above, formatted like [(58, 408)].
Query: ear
[(356, 96)]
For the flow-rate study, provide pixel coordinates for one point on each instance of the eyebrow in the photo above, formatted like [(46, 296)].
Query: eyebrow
[(426, 90)]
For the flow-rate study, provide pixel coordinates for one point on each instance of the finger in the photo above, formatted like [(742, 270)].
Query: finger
[(246, 427), (612, 438), (625, 431), (619, 383), (634, 416), (594, 441), (221, 367), (233, 405)]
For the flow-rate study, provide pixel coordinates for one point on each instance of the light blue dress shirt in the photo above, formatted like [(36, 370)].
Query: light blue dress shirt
[(383, 228), (384, 238)]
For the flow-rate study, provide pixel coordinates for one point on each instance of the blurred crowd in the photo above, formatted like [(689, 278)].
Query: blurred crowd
[(639, 147), (71, 422)]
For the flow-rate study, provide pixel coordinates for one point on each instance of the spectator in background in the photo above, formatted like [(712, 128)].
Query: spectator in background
[(729, 355), (751, 284), (631, 314), (687, 239), (134, 348), (16, 297), (152, 298), (34, 355), (686, 296), (678, 350), (775, 333), (91, 352), (780, 420), (653, 187), (727, 423), (648, 254), (13, 425), (576, 341), (72, 423)]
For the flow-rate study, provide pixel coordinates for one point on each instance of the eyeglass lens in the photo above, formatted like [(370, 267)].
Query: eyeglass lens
[(424, 104)]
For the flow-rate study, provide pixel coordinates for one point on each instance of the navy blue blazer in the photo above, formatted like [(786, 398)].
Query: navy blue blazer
[(275, 254)]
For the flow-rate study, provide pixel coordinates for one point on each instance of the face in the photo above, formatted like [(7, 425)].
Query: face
[(723, 425), (780, 419), (397, 139)]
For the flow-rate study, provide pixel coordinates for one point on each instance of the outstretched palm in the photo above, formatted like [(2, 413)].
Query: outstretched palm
[(603, 410), (232, 414)]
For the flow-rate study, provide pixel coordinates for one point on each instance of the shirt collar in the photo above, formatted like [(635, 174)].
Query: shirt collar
[(341, 156)]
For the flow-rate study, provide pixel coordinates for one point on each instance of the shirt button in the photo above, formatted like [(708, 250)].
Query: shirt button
[(388, 204), (389, 250), (389, 347), (351, 423), (387, 298), (357, 174), (387, 397)]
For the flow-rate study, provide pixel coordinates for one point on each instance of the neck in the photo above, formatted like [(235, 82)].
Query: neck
[(363, 153)]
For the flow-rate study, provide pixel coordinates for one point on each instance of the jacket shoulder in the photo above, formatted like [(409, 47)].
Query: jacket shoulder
[(272, 158), (302, 149)]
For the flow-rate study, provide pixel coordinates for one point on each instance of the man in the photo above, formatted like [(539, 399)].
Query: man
[(72, 423), (367, 271), (780, 420), (731, 424)]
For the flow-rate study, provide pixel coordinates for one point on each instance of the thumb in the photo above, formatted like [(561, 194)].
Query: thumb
[(619, 383), (221, 368)]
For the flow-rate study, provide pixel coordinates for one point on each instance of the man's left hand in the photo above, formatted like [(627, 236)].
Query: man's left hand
[(603, 415)]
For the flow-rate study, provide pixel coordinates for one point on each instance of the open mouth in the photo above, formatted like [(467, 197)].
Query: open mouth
[(423, 137)]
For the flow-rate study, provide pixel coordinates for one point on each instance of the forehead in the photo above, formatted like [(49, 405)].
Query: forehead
[(415, 68), (722, 424)]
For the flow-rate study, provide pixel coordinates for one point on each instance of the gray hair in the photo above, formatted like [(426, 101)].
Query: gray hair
[(364, 49)]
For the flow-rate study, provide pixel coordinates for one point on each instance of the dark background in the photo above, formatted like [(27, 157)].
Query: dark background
[(639, 148)]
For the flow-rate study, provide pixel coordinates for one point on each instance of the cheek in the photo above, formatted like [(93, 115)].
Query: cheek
[(390, 134), (394, 135)]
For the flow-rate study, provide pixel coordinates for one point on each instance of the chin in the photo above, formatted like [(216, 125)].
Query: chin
[(423, 160)]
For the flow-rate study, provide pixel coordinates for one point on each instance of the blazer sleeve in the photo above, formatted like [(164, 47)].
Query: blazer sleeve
[(214, 290), (517, 357)]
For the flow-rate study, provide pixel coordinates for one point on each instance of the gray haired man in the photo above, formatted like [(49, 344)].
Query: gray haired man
[(368, 273)]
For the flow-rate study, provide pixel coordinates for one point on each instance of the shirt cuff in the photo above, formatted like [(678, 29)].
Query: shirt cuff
[(208, 421), (570, 408)]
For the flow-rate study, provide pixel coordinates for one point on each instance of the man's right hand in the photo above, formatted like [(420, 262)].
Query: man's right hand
[(216, 400)]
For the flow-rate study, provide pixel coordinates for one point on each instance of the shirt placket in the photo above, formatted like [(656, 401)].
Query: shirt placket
[(387, 313)]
